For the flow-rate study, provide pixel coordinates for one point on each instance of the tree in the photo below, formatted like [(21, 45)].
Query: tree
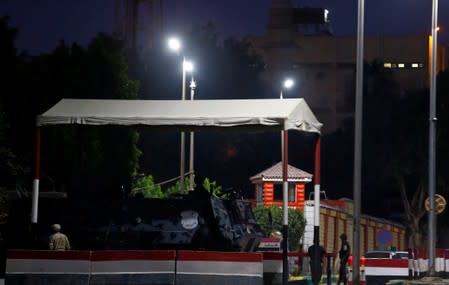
[(10, 168), (89, 163), (270, 219)]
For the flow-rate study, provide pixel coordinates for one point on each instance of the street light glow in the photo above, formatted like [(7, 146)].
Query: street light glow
[(288, 83), (174, 44), (188, 66)]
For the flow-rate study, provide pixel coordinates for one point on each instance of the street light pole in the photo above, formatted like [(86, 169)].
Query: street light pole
[(288, 83), (183, 135), (175, 45), (192, 136), (358, 143), (432, 142)]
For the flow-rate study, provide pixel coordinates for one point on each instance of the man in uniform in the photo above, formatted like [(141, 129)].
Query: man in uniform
[(344, 253), (58, 240)]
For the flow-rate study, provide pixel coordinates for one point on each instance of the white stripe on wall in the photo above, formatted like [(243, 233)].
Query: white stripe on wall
[(220, 268), (134, 266)]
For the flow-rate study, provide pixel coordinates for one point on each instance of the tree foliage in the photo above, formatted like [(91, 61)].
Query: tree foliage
[(145, 185), (9, 164), (270, 219), (86, 162), (212, 187), (96, 159)]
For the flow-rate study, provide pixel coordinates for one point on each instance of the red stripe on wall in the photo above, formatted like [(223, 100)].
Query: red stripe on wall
[(220, 256), (133, 255)]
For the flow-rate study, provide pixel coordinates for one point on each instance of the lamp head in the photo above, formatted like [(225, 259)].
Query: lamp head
[(174, 44), (288, 83)]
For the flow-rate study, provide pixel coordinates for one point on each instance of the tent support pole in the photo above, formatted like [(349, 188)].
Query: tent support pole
[(317, 205), (37, 173), (285, 208)]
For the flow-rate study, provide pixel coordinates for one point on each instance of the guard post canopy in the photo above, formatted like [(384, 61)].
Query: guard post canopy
[(251, 115)]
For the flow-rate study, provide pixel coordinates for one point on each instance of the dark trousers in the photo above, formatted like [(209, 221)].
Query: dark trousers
[(316, 272), (342, 275)]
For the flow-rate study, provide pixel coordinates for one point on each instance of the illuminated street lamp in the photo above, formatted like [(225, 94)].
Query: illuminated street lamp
[(288, 83), (174, 44)]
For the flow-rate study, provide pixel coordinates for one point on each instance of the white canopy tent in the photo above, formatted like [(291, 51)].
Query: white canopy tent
[(250, 115), (288, 114)]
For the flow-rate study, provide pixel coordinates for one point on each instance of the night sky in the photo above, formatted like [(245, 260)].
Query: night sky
[(42, 23)]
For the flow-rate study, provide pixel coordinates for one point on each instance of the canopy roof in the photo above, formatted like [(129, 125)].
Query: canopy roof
[(260, 114)]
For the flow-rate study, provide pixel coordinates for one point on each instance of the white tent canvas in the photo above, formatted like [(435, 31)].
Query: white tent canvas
[(287, 114)]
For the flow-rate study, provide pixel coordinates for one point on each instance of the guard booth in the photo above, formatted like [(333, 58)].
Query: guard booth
[(268, 186)]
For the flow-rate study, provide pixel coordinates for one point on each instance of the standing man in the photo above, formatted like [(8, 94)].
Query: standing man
[(344, 253), (58, 240), (317, 255)]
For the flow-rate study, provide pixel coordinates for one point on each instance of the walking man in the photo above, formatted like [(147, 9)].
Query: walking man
[(58, 240)]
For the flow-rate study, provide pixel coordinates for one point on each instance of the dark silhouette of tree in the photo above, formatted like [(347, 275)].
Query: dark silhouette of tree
[(91, 164)]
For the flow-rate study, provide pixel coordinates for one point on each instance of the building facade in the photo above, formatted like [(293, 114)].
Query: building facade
[(324, 65), (336, 217)]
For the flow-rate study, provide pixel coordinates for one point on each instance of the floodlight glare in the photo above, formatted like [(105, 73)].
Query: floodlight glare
[(174, 44), (188, 66), (288, 83)]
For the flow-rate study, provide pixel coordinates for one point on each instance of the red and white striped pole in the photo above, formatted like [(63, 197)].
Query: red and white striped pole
[(362, 271), (37, 173), (350, 259), (410, 264)]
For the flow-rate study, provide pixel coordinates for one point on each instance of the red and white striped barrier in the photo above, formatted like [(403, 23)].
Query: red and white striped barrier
[(205, 267), (272, 265), (272, 268), (47, 267), (380, 271), (132, 267), (446, 263), (419, 263)]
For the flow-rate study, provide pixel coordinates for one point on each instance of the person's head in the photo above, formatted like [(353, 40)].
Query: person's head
[(343, 236), (56, 227)]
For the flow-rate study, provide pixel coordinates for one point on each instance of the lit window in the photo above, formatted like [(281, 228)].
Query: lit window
[(394, 65), (387, 65), (401, 65), (415, 65)]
